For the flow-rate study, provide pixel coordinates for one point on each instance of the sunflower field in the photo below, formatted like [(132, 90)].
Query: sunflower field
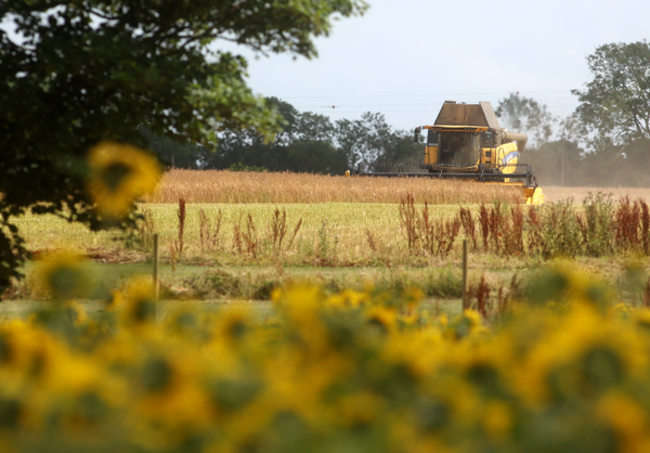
[(565, 371), (563, 366)]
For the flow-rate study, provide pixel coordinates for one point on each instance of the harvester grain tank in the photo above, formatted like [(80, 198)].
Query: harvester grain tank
[(467, 142)]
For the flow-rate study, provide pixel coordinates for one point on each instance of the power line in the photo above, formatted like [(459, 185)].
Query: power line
[(335, 106), (389, 107), (424, 95)]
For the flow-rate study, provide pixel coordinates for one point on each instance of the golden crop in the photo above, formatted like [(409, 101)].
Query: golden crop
[(212, 186)]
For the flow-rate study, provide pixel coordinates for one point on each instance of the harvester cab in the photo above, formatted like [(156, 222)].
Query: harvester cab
[(467, 142)]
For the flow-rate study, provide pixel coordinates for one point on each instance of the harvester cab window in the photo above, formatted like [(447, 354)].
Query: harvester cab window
[(432, 138), (460, 149)]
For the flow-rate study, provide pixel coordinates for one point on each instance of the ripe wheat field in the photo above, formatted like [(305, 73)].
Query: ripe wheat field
[(213, 186)]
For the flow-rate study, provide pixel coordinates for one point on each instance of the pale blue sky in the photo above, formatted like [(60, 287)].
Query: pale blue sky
[(404, 58)]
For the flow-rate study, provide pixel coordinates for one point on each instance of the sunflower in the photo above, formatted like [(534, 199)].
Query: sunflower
[(139, 306), (63, 275), (119, 174)]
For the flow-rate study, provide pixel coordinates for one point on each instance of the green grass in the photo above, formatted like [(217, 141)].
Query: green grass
[(341, 226), (186, 285), (334, 231)]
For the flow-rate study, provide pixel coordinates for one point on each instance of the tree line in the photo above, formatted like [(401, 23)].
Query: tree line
[(307, 142), (605, 142)]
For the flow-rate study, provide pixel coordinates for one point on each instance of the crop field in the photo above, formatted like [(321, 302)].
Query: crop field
[(312, 313), (274, 228), (212, 186), (227, 236)]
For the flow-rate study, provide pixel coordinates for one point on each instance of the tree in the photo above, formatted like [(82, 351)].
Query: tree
[(363, 140), (304, 144), (522, 114), (76, 72), (315, 157), (616, 103), (312, 127), (172, 153), (401, 149), (370, 140)]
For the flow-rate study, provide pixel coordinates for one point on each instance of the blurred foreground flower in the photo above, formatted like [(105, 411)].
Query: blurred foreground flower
[(355, 371), (139, 303), (119, 174), (63, 275)]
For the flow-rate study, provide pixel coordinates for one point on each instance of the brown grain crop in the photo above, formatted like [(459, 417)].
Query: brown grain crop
[(213, 186)]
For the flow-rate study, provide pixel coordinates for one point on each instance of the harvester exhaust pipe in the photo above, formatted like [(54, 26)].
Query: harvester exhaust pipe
[(518, 137)]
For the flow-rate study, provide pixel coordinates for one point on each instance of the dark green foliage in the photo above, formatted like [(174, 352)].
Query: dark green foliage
[(172, 153), (370, 141), (311, 143), (615, 104), (304, 144), (73, 73)]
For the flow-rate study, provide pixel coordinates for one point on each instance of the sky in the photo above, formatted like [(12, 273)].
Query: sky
[(405, 58)]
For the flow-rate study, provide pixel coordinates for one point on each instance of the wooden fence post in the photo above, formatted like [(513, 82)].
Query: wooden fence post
[(465, 283), (156, 286)]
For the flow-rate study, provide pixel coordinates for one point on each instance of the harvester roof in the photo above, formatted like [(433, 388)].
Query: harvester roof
[(467, 115)]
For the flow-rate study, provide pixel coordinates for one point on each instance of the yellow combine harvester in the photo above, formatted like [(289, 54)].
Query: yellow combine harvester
[(466, 142)]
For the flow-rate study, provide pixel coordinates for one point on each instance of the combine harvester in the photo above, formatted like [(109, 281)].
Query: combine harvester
[(466, 142)]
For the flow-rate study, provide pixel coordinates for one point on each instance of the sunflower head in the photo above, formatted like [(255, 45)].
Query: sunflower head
[(139, 306), (119, 174), (63, 275)]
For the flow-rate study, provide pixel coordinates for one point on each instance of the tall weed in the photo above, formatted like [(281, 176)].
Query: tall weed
[(469, 226), (628, 223), (409, 222), (560, 230), (597, 226), (425, 234)]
